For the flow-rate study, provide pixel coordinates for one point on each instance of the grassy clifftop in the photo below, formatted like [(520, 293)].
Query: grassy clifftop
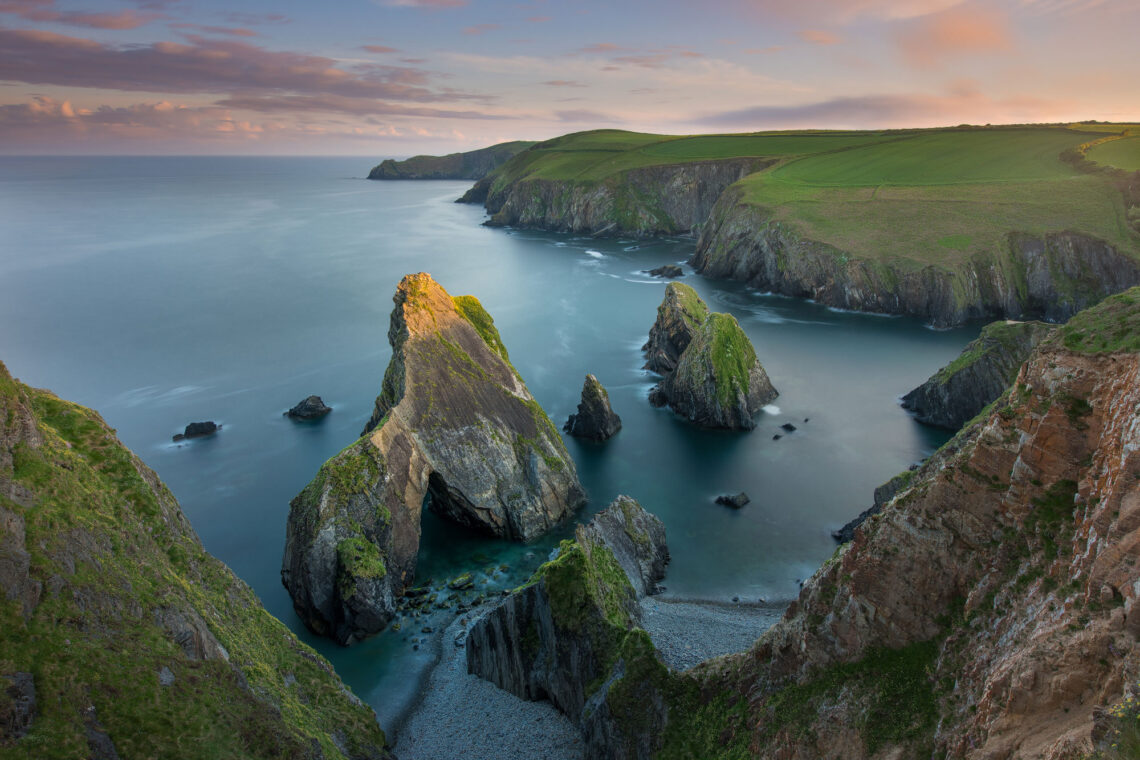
[(127, 635)]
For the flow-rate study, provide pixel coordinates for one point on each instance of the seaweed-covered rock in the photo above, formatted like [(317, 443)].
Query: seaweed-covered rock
[(736, 501), (122, 636), (595, 418), (309, 409), (454, 424), (668, 271), (960, 390)]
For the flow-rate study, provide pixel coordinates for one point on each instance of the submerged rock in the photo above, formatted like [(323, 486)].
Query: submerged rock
[(960, 390), (197, 430), (667, 270), (455, 427), (311, 408), (736, 501), (595, 418), (570, 634)]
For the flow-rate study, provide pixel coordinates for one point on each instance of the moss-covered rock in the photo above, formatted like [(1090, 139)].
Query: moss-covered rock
[(454, 425), (712, 375), (120, 634), (984, 369)]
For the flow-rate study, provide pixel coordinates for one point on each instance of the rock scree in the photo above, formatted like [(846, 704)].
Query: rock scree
[(595, 419), (454, 427)]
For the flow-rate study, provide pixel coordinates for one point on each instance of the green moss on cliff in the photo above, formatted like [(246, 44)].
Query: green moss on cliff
[(471, 310), (1111, 326), (693, 309), (732, 357), (112, 557), (584, 580)]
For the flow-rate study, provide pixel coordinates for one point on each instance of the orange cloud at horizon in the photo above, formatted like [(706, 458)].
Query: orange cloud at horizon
[(929, 41)]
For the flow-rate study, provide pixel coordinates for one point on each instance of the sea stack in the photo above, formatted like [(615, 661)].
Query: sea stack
[(309, 409), (455, 426), (595, 419), (711, 374)]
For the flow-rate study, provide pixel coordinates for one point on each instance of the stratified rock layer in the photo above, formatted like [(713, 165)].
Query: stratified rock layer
[(712, 375), (568, 636), (120, 636), (595, 419), (454, 424), (960, 390), (1051, 276)]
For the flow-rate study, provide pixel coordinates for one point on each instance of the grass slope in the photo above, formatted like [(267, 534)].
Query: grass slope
[(113, 556), (1122, 154)]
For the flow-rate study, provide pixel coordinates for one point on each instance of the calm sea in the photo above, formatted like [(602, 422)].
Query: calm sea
[(162, 291)]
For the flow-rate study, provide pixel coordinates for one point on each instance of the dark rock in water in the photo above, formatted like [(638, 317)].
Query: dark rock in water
[(309, 409), (464, 581), (18, 709), (454, 429), (736, 501), (668, 270), (595, 419), (963, 388), (712, 375), (571, 633), (777, 437), (789, 427), (197, 430)]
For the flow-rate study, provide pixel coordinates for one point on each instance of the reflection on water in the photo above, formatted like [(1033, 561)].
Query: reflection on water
[(164, 291)]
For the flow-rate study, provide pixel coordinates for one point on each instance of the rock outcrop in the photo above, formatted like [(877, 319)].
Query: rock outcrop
[(712, 375), (668, 199), (474, 164), (595, 419), (667, 271), (121, 636), (197, 430), (959, 391), (569, 635), (454, 425), (991, 608), (309, 409), (1050, 277)]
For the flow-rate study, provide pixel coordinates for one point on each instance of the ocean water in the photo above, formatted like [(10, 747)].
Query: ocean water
[(162, 291)]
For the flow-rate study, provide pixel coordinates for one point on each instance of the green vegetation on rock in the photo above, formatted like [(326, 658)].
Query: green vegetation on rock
[(128, 628), (1112, 325), (473, 311), (732, 356)]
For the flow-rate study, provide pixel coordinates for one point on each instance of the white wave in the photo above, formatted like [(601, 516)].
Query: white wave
[(771, 409), (595, 254)]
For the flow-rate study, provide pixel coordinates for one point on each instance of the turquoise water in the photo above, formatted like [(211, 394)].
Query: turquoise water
[(161, 291)]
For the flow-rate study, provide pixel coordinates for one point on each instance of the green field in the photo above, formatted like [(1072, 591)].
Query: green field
[(1123, 153)]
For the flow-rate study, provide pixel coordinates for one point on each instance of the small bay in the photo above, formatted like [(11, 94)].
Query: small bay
[(161, 291)]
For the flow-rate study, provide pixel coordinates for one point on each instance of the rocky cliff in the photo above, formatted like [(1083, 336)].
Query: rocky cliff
[(984, 370), (119, 635), (667, 199), (1049, 277), (474, 164), (569, 635), (595, 419), (454, 425), (712, 375)]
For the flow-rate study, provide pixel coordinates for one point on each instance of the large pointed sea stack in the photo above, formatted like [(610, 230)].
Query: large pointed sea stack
[(454, 425), (712, 375)]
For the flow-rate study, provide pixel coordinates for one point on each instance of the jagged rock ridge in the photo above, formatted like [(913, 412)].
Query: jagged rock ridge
[(712, 375), (453, 423), (595, 419), (121, 636), (960, 390)]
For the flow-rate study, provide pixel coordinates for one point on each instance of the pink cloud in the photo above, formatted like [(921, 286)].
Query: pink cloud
[(341, 104), (201, 65), (927, 42), (426, 3), (818, 36), (379, 49), (538, 19), (563, 83), (584, 116), (601, 47), (228, 31), (481, 28)]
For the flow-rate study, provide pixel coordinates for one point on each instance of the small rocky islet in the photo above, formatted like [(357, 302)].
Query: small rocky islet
[(595, 419)]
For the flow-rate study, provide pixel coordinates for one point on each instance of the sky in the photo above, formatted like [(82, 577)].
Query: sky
[(393, 78)]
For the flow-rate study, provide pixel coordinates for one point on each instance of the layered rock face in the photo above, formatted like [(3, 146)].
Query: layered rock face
[(121, 636), (595, 419), (960, 390), (712, 375), (474, 164), (1049, 277), (992, 606), (454, 423), (568, 636), (655, 200)]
